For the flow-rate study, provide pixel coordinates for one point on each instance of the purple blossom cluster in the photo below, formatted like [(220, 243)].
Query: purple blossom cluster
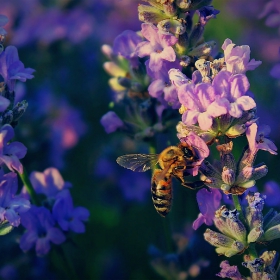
[(45, 225), (44, 207), (167, 69)]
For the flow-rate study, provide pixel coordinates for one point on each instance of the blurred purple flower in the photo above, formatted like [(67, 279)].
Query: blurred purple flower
[(11, 152), (41, 230), (12, 69), (3, 21), (237, 58), (228, 271), (271, 10), (49, 182), (272, 193), (208, 203), (125, 45), (134, 186), (111, 122), (275, 71), (11, 205), (63, 122), (257, 138), (68, 217), (158, 46)]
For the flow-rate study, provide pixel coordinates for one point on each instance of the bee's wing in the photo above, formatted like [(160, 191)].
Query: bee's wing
[(138, 162)]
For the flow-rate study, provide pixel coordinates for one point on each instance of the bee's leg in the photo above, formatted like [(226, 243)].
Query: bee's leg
[(193, 185)]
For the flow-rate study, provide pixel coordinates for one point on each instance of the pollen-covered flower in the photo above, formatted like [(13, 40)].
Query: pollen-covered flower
[(237, 58), (158, 46)]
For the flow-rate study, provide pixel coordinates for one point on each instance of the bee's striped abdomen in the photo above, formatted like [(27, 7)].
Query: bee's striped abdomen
[(161, 192)]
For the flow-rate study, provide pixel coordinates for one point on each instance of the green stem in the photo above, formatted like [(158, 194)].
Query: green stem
[(252, 248), (26, 182), (237, 205)]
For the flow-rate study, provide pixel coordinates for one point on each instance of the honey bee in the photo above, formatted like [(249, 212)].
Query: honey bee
[(173, 162)]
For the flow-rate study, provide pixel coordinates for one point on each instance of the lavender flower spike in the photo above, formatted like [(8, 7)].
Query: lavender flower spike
[(158, 46), (12, 152), (39, 224), (68, 217), (12, 69)]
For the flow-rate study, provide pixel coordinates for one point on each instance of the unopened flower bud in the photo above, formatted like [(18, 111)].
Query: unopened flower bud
[(255, 234), (114, 84), (177, 78), (185, 60), (150, 14), (271, 234), (254, 266), (203, 49), (8, 117), (113, 69), (170, 9), (107, 50), (19, 110), (269, 258), (183, 4), (235, 131), (217, 239), (171, 26), (228, 176)]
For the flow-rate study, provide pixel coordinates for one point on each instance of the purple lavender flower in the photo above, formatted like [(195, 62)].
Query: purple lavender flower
[(233, 89), (237, 58), (11, 152), (161, 88), (228, 271), (11, 206), (68, 217), (208, 203), (125, 45), (257, 140), (41, 230), (12, 69), (111, 122), (206, 13), (48, 182), (272, 193), (201, 103), (158, 46), (3, 21)]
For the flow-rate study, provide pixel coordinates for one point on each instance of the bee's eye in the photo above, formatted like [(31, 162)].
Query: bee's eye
[(188, 153)]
